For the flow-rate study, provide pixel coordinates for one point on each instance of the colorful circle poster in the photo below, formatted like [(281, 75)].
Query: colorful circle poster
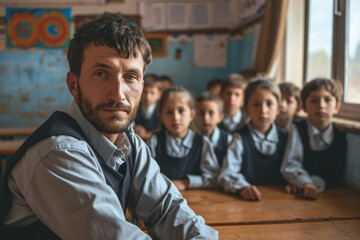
[(43, 28)]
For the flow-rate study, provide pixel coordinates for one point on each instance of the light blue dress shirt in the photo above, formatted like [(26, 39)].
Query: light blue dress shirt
[(60, 182), (177, 147), (215, 137), (292, 166), (231, 179), (232, 122)]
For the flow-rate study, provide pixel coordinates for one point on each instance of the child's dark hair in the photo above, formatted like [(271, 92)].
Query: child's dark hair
[(176, 90), (234, 80), (262, 83), (208, 96), (151, 80), (111, 30), (166, 78), (288, 90), (213, 83), (332, 86)]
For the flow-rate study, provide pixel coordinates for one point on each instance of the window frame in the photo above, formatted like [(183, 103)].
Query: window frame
[(338, 66)]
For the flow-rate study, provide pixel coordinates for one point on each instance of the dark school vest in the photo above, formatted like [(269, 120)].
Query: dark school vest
[(149, 124), (179, 167), (221, 146), (259, 168), (328, 163), (60, 123)]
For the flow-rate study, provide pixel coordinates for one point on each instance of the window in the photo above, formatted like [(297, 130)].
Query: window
[(332, 48)]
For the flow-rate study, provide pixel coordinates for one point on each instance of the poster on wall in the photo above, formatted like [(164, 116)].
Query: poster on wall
[(37, 27), (210, 51)]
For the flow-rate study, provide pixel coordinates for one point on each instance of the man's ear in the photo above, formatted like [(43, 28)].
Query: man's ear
[(71, 81)]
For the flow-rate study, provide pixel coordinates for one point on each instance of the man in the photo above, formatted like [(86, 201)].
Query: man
[(76, 175)]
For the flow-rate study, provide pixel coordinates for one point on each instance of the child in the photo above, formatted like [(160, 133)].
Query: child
[(255, 155), (185, 157), (289, 106), (232, 93), (214, 86), (166, 82), (316, 151), (209, 113), (147, 118)]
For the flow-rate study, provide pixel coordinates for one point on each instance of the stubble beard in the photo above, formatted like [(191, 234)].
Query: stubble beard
[(115, 125)]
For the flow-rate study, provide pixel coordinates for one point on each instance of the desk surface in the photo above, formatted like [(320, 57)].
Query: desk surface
[(9, 147), (339, 230), (16, 131), (219, 208)]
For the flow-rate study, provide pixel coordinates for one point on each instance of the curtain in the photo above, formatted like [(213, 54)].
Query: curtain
[(271, 35)]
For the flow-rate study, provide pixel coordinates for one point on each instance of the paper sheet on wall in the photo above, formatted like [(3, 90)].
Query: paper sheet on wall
[(153, 16), (179, 16), (210, 51), (201, 15), (221, 15)]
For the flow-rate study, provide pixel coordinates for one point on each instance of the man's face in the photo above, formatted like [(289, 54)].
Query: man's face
[(108, 89)]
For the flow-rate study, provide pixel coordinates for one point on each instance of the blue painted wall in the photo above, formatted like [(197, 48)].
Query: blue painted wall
[(33, 83)]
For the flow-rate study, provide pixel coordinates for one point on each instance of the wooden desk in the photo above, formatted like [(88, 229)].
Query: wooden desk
[(218, 208), (16, 131), (9, 147), (339, 230)]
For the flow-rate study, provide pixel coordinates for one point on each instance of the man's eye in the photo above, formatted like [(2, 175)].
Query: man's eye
[(130, 77), (100, 74)]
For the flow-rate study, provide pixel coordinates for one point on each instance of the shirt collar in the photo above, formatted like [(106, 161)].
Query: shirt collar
[(272, 135), (326, 135), (186, 142), (237, 117), (99, 142), (214, 138)]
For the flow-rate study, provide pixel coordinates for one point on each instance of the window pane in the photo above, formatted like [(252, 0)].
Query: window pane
[(320, 35), (352, 75)]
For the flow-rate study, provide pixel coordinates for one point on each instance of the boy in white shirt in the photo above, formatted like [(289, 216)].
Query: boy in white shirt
[(316, 151)]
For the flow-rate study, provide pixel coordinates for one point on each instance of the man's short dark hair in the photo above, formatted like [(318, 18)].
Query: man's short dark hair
[(111, 30)]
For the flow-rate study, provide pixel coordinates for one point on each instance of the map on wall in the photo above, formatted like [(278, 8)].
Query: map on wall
[(30, 27)]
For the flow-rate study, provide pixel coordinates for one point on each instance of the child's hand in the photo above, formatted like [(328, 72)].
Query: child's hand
[(139, 130), (250, 193), (290, 189), (181, 184), (309, 191)]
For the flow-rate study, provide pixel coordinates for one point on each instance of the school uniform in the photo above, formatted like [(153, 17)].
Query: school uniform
[(191, 157), (253, 159), (220, 140), (148, 117), (312, 156), (234, 123)]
